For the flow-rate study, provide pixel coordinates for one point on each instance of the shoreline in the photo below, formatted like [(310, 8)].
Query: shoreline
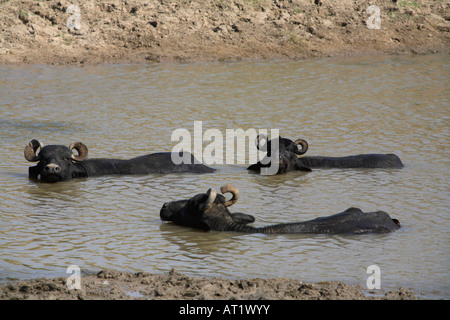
[(116, 285)]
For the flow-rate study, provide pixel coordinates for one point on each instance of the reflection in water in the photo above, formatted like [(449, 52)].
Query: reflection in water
[(341, 106)]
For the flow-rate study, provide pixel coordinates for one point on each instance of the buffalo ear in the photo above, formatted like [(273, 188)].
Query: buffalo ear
[(255, 167), (33, 172), (258, 139), (242, 218), (81, 149), (30, 150)]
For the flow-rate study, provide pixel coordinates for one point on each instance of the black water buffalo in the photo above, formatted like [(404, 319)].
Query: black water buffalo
[(209, 211), (281, 156), (290, 162), (59, 163)]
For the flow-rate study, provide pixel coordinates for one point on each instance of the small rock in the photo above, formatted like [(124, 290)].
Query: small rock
[(25, 288), (24, 17)]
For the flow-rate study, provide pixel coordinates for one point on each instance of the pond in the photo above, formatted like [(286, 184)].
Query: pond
[(341, 106)]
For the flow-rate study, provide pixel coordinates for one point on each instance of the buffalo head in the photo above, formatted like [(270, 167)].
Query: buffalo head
[(207, 211), (281, 154), (55, 162)]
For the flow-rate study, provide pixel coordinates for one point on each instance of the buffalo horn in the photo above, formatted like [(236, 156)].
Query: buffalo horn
[(81, 149), (212, 194), (233, 190), (304, 145), (30, 150)]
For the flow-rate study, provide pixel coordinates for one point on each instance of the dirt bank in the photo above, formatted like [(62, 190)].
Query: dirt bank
[(117, 31), (115, 285)]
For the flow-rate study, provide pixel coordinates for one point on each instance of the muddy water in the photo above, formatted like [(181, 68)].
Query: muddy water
[(342, 106)]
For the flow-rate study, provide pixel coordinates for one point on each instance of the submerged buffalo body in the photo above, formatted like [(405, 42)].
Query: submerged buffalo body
[(59, 163), (288, 160), (374, 160), (210, 212)]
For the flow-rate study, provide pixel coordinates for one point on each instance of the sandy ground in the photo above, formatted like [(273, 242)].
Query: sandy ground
[(122, 31), (114, 285), (128, 31)]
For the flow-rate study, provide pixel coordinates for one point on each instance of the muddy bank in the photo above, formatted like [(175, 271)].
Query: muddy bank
[(117, 31), (114, 285)]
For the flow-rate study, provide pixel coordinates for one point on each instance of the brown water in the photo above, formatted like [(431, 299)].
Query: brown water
[(341, 106)]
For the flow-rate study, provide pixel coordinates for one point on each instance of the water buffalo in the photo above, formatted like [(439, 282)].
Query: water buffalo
[(290, 162), (283, 151), (59, 163), (209, 211)]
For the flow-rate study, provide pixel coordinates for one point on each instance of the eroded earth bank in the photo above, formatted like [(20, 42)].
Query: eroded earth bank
[(114, 285), (117, 31)]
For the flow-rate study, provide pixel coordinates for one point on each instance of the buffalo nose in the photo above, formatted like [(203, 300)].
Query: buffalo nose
[(164, 213), (52, 168)]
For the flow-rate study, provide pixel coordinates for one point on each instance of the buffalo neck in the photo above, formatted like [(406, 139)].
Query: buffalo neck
[(282, 228), (97, 167)]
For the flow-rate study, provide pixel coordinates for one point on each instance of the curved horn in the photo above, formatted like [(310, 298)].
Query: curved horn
[(30, 150), (81, 149), (212, 194), (233, 190), (304, 145)]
